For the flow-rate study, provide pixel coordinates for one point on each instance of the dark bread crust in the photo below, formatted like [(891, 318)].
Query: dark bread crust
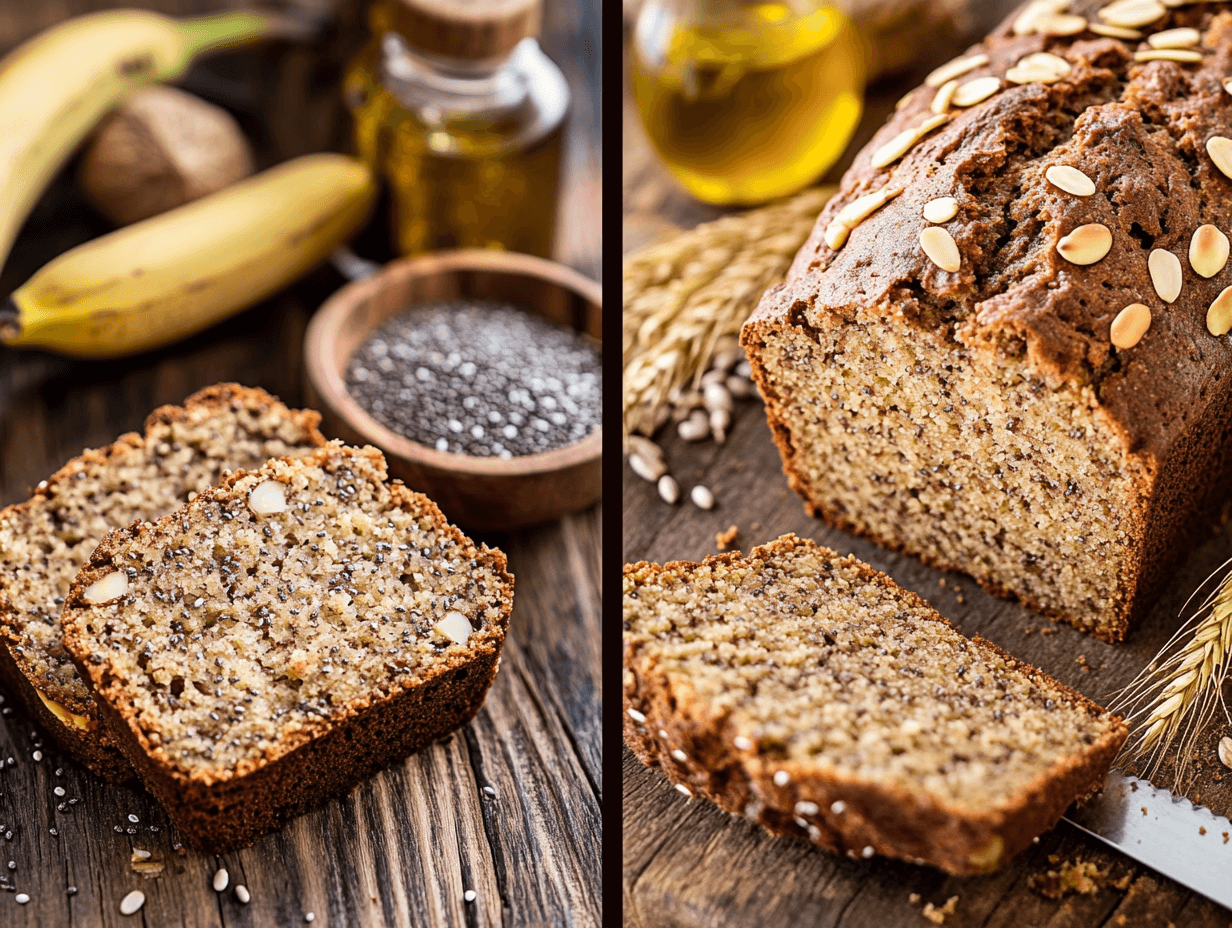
[(93, 745), (1138, 130), (892, 821), (219, 810)]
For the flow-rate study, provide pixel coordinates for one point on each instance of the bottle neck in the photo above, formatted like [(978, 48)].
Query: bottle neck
[(420, 80)]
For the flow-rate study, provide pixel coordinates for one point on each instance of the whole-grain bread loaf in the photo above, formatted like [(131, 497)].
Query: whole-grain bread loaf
[(282, 636), (45, 540), (811, 694), (1003, 348)]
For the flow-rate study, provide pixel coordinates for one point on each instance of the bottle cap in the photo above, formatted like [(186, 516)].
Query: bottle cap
[(473, 30)]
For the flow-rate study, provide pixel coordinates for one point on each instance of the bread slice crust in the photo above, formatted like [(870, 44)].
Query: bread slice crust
[(669, 725), (218, 808), (67, 713)]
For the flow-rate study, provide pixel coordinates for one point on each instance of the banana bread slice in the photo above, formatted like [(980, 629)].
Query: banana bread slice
[(284, 635), (809, 693), (45, 540)]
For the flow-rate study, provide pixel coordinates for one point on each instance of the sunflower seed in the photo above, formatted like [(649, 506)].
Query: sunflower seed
[(1208, 251), (1219, 316), (941, 248), (647, 470), (956, 68), (836, 235), (132, 902), (1220, 150), (1184, 37), (112, 586), (644, 448), (1115, 32), (1165, 268), (861, 208), (694, 428), (715, 396), (1086, 244), (702, 497), (1132, 14), (221, 878), (942, 209), (1130, 325), (941, 102), (1060, 24), (1183, 55), (720, 419), (1037, 16), (669, 489), (1225, 751), (1070, 179), (976, 91), (1040, 67)]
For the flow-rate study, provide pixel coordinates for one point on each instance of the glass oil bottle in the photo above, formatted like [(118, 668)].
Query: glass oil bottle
[(747, 101), (462, 115)]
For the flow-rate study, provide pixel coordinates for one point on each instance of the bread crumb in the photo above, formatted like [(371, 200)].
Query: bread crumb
[(1123, 883), (1119, 920), (727, 538), (754, 526), (960, 599), (914, 898), (1050, 631), (1081, 661), (1028, 630), (938, 915), (941, 582), (1082, 877)]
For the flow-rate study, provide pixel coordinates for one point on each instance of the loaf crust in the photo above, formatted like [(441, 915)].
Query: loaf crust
[(218, 808), (1138, 129), (890, 820), (88, 740)]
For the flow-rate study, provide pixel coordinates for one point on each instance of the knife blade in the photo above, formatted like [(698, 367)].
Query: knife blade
[(1170, 834)]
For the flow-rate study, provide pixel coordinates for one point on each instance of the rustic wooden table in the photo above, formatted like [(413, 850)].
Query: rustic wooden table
[(403, 847), (686, 863)]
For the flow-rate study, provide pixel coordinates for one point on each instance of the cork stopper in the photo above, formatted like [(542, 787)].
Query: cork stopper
[(472, 30)]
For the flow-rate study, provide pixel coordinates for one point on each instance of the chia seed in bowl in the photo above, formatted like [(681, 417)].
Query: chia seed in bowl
[(479, 377)]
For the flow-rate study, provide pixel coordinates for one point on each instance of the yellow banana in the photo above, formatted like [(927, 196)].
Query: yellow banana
[(56, 87), (172, 275)]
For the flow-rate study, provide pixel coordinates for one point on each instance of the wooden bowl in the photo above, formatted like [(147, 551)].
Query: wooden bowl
[(486, 493)]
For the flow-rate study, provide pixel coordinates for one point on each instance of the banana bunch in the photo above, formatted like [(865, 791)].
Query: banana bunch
[(56, 87), (172, 275)]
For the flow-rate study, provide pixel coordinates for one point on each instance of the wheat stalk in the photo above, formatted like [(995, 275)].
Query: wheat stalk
[(1173, 699), (687, 295)]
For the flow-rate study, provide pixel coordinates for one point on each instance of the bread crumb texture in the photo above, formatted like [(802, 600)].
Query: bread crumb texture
[(837, 698), (279, 604), (983, 419), (183, 451)]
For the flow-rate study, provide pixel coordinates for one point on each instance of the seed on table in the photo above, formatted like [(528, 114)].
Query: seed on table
[(702, 497), (132, 902), (644, 448), (469, 895), (725, 360), (720, 419), (645, 469), (739, 387), (221, 879), (714, 375), (21, 898), (715, 396), (694, 428), (241, 893), (744, 369), (669, 489)]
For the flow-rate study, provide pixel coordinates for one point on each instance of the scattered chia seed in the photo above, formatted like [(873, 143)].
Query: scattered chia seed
[(480, 378)]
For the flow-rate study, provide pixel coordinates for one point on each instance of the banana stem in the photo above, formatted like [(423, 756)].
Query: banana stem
[(222, 30), (10, 321)]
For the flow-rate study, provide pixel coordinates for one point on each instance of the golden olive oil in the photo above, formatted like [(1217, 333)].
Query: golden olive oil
[(471, 159), (750, 104)]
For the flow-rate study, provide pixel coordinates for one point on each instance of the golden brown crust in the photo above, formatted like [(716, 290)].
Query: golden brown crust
[(221, 809), (889, 820), (94, 745)]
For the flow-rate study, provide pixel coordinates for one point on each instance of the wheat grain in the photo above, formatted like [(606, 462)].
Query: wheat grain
[(1169, 704), (686, 298)]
